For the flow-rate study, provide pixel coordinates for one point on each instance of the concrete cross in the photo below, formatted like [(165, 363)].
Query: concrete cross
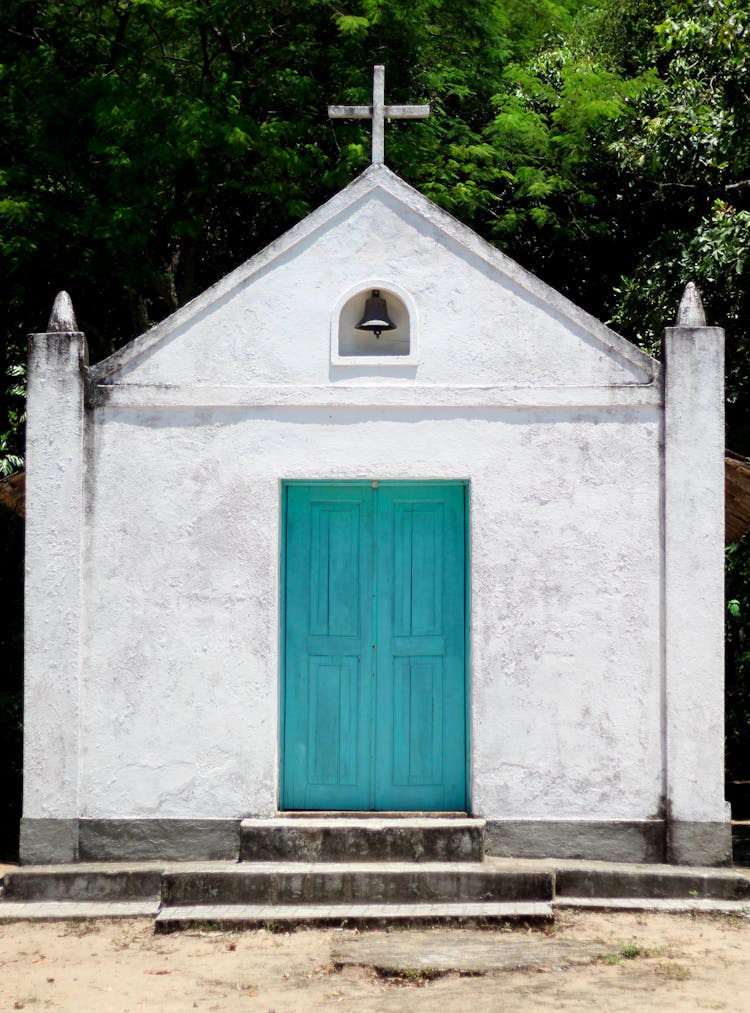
[(378, 112)]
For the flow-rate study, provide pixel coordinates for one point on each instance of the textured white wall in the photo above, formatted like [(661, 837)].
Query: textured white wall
[(180, 697)]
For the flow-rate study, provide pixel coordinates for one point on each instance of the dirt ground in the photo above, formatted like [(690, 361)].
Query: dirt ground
[(590, 961)]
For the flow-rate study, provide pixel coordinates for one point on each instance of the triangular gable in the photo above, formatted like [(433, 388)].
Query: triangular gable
[(642, 367)]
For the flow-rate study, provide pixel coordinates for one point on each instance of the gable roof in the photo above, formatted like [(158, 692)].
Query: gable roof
[(379, 177)]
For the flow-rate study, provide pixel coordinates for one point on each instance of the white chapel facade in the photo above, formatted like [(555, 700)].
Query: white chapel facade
[(472, 562)]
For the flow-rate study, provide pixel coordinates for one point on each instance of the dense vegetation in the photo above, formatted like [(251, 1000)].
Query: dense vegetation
[(148, 146)]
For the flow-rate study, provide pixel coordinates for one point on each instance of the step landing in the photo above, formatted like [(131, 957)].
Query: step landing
[(362, 839)]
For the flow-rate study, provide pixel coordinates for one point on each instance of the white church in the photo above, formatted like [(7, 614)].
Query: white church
[(377, 523)]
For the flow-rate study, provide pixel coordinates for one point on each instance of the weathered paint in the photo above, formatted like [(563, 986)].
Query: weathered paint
[(554, 421)]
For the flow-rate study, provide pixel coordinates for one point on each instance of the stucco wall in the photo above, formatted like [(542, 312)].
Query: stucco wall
[(179, 693)]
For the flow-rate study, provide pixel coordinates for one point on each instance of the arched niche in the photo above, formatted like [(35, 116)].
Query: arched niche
[(351, 347)]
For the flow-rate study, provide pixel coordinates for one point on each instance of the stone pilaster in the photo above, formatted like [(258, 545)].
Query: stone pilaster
[(698, 831), (54, 522)]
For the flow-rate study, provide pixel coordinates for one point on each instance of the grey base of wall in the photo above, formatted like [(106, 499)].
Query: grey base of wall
[(699, 843), (615, 841), (45, 841), (52, 841)]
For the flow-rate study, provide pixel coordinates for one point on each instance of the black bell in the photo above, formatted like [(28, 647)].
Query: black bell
[(376, 317)]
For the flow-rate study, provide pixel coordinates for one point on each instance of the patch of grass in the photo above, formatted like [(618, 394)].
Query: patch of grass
[(125, 939), (85, 927), (633, 950), (418, 976), (627, 951), (610, 958), (672, 971), (248, 988)]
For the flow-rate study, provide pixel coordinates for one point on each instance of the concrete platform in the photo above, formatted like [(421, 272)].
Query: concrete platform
[(463, 951)]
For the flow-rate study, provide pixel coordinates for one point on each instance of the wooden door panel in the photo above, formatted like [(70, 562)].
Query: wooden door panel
[(420, 760), (418, 721), (328, 651), (374, 706), (333, 721)]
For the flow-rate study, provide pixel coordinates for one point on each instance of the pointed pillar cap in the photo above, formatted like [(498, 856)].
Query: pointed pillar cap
[(690, 312), (62, 317)]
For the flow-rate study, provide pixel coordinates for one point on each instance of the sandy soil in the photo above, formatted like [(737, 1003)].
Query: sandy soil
[(639, 962)]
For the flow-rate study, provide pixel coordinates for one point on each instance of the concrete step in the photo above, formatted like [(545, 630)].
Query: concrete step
[(76, 910), (329, 892), (354, 883), (362, 839), (653, 882), (670, 905), (272, 916), (94, 881)]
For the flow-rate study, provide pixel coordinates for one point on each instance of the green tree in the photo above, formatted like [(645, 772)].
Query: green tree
[(631, 142)]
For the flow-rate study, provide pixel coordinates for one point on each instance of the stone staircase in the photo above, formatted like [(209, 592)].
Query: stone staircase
[(361, 871), (355, 871)]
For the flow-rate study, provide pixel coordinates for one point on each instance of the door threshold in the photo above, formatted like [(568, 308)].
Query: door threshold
[(372, 814)]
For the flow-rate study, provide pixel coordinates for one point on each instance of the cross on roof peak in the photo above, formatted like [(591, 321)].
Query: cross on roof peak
[(378, 112)]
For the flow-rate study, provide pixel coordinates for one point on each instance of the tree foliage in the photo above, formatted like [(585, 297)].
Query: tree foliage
[(631, 142)]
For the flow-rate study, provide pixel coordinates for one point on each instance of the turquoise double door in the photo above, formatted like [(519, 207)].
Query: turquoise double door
[(374, 688)]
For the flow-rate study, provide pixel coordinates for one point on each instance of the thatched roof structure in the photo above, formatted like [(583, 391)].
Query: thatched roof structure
[(737, 496), (13, 492)]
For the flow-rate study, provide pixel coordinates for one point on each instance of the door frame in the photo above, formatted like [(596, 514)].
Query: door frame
[(284, 485)]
